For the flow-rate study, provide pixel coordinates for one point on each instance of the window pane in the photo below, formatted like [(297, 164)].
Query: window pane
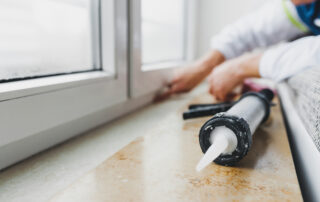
[(162, 30), (43, 37)]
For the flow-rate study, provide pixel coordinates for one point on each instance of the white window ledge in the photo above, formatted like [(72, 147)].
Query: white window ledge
[(17, 89)]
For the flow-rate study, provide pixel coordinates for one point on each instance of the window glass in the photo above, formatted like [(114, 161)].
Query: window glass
[(162, 30), (45, 37)]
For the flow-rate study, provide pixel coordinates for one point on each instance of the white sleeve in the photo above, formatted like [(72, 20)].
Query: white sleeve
[(264, 27), (288, 59)]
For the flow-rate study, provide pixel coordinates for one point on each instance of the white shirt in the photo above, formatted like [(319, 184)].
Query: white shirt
[(267, 26)]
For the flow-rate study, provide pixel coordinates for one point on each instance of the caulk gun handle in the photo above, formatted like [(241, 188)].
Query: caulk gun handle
[(209, 110), (222, 105)]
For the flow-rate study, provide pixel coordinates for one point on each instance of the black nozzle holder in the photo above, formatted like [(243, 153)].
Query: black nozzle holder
[(238, 125)]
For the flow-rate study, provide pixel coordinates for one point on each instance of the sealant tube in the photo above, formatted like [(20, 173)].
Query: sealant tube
[(227, 137)]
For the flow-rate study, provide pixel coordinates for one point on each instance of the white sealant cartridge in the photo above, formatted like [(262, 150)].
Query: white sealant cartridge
[(227, 137)]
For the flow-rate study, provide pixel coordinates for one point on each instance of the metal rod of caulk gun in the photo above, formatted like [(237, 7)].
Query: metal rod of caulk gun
[(227, 137)]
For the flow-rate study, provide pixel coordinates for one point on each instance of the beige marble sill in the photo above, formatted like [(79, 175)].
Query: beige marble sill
[(42, 176), (160, 166)]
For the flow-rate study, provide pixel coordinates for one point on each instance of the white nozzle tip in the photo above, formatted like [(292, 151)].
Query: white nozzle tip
[(212, 153), (202, 164), (223, 140)]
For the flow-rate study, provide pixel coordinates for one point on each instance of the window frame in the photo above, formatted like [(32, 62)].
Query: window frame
[(95, 13), (41, 112), (22, 87), (38, 107), (140, 79)]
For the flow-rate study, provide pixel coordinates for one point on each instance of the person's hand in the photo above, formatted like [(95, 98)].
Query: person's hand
[(224, 78), (185, 79)]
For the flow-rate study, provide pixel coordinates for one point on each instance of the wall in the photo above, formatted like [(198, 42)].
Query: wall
[(213, 15)]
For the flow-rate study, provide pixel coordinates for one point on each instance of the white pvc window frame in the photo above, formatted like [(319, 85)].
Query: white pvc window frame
[(38, 107), (94, 11), (144, 80), (39, 113)]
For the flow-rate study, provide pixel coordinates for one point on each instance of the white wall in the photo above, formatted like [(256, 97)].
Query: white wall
[(213, 15)]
